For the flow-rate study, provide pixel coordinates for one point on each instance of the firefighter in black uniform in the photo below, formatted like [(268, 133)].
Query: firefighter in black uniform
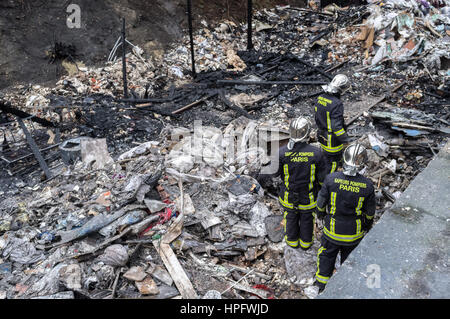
[(350, 199), (301, 166), (329, 117)]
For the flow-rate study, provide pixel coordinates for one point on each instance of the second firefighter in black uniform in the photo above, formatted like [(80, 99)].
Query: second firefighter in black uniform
[(350, 198), (301, 167), (329, 117)]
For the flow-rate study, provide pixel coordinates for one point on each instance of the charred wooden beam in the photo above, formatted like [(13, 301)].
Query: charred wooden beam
[(148, 100), (187, 107), (7, 108), (321, 35), (336, 66), (268, 69), (235, 108), (388, 195), (434, 104), (264, 103), (242, 82), (303, 96), (434, 95), (318, 70)]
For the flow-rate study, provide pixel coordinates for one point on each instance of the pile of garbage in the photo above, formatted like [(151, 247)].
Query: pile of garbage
[(161, 200), (401, 31), (407, 37), (89, 231), (161, 219)]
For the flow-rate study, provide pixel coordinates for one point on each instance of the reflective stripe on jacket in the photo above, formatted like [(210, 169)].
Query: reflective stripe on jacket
[(329, 117), (351, 204), (301, 169)]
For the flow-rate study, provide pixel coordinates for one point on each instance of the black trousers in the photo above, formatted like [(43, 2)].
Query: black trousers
[(333, 162), (326, 259), (299, 227)]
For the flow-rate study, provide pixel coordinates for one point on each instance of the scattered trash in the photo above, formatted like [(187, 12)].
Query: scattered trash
[(130, 218), (22, 251), (154, 205), (95, 153), (274, 228), (138, 150), (135, 274), (147, 286), (94, 224), (161, 274), (212, 294), (159, 206), (71, 150), (59, 295), (378, 146), (114, 255), (392, 165), (70, 276), (311, 292)]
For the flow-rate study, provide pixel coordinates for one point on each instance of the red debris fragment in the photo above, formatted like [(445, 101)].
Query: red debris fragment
[(264, 287)]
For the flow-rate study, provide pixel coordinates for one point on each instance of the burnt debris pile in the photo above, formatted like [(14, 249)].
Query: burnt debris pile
[(154, 195)]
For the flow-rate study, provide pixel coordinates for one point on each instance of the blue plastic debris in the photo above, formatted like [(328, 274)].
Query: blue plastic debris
[(6, 268), (410, 132), (47, 237)]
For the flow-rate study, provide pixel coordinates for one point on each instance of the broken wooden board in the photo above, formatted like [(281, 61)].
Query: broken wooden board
[(175, 270), (174, 230), (354, 110)]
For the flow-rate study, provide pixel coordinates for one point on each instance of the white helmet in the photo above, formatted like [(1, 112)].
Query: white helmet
[(300, 129), (339, 84), (355, 155)]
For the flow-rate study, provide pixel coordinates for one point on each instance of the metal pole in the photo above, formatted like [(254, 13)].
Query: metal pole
[(249, 24), (124, 61), (189, 8), (34, 148)]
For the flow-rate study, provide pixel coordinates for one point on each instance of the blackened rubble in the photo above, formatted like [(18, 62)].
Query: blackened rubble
[(148, 219)]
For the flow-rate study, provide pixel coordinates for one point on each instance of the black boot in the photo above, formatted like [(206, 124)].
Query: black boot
[(320, 285)]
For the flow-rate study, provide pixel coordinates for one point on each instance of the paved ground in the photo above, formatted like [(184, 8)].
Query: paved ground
[(408, 248)]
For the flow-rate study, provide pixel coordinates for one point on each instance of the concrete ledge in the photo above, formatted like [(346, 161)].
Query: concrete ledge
[(408, 247)]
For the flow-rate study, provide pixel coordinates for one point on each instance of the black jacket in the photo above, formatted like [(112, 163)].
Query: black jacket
[(300, 169), (329, 117), (351, 207)]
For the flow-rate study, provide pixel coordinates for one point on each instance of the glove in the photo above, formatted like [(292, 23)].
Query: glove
[(367, 225), (263, 180), (320, 214)]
